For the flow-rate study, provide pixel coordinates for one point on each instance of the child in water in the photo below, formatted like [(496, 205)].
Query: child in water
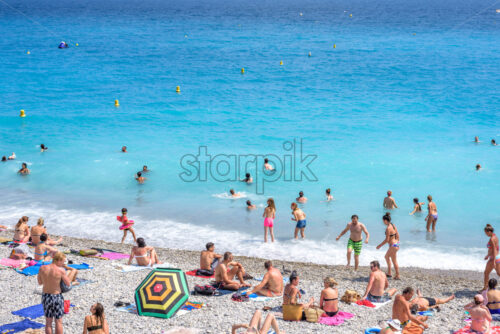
[(126, 225)]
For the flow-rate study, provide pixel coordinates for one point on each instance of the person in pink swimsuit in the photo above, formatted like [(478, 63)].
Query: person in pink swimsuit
[(493, 255), (269, 215), (126, 225)]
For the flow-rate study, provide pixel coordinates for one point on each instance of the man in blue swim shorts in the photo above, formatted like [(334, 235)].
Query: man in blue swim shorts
[(300, 217)]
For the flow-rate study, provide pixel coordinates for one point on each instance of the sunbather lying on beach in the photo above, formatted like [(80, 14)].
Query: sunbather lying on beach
[(401, 309), (377, 285), (292, 294), (38, 230), (144, 255), (44, 252), (480, 315), (255, 326), (272, 283), (329, 300), (421, 303), (224, 278), (208, 260)]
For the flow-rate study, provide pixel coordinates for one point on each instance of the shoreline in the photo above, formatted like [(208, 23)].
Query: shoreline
[(111, 286)]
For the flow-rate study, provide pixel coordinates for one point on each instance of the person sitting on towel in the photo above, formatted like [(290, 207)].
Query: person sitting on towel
[(492, 297), (272, 282), (144, 255), (208, 260), (224, 278), (378, 283), (480, 315), (254, 327), (292, 294), (44, 252)]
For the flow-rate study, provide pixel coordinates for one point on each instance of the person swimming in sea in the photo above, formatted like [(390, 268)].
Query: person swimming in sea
[(269, 215), (493, 142), (248, 178), (126, 225), (12, 157), (43, 148), (250, 206), (234, 194), (267, 165), (139, 178), (145, 169), (300, 217), (24, 169), (432, 216), (4, 158), (417, 206), (301, 198), (476, 139), (329, 196), (478, 167), (124, 149)]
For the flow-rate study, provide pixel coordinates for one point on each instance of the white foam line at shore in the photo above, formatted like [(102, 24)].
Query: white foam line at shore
[(175, 235)]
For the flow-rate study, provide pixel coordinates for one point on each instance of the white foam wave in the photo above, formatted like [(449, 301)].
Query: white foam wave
[(171, 234)]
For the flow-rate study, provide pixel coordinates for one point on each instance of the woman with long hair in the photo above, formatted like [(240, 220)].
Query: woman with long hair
[(391, 238), (269, 215), (96, 322), (22, 231), (493, 255)]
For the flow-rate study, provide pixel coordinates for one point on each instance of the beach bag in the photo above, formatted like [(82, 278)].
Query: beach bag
[(88, 252), (412, 328), (313, 314), (350, 296), (205, 290), (292, 312), (238, 297)]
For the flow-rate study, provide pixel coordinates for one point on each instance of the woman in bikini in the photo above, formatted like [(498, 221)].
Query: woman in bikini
[(432, 216), (144, 255), (480, 316), (254, 327), (126, 225), (493, 256), (329, 300), (269, 215), (492, 297), (292, 295), (391, 238), (96, 322), (38, 230), (417, 207), (22, 231), (44, 252)]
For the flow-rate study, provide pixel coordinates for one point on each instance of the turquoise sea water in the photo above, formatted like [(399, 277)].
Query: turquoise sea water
[(395, 105)]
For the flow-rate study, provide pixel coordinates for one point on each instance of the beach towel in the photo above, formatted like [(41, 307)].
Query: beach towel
[(83, 282), (5, 240), (188, 307), (127, 308), (6, 262), (33, 270), (466, 330), (427, 313), (32, 312), (193, 273), (125, 268), (257, 298), (227, 292), (114, 256), (20, 326), (335, 320), (374, 306)]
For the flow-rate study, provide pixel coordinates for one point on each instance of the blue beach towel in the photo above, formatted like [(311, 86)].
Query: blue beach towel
[(20, 326), (32, 312), (33, 270), (227, 292)]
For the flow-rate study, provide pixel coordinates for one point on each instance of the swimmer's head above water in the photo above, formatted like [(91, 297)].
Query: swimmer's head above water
[(389, 193), (231, 191), (124, 149), (301, 194), (478, 167), (139, 174), (4, 158), (144, 168), (328, 191)]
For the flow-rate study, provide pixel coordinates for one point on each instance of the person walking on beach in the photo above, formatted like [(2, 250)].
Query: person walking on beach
[(432, 216), (389, 202), (300, 217), (355, 239), (51, 276), (96, 323), (301, 199), (493, 255), (269, 215), (126, 225), (391, 238)]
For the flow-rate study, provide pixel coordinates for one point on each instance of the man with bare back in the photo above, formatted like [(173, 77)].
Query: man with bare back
[(355, 239)]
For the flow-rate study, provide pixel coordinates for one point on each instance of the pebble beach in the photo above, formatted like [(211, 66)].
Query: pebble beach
[(110, 285)]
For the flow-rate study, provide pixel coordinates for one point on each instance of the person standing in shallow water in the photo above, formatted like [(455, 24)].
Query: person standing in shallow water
[(300, 217), (355, 239), (417, 206), (432, 215), (493, 255), (269, 215), (389, 202), (391, 238)]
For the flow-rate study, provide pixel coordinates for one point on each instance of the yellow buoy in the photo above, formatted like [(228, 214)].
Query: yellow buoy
[(281, 62), (242, 70), (22, 114), (334, 46), (117, 103), (350, 15), (309, 54), (28, 52), (178, 89)]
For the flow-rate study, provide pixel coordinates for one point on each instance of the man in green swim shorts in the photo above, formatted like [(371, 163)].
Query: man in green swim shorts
[(355, 239)]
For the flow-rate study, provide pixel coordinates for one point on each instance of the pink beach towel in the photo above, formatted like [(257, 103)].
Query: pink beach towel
[(466, 330), (115, 256), (335, 320), (13, 263)]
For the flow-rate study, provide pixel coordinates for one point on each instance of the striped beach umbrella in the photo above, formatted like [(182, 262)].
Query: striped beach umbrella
[(162, 293)]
